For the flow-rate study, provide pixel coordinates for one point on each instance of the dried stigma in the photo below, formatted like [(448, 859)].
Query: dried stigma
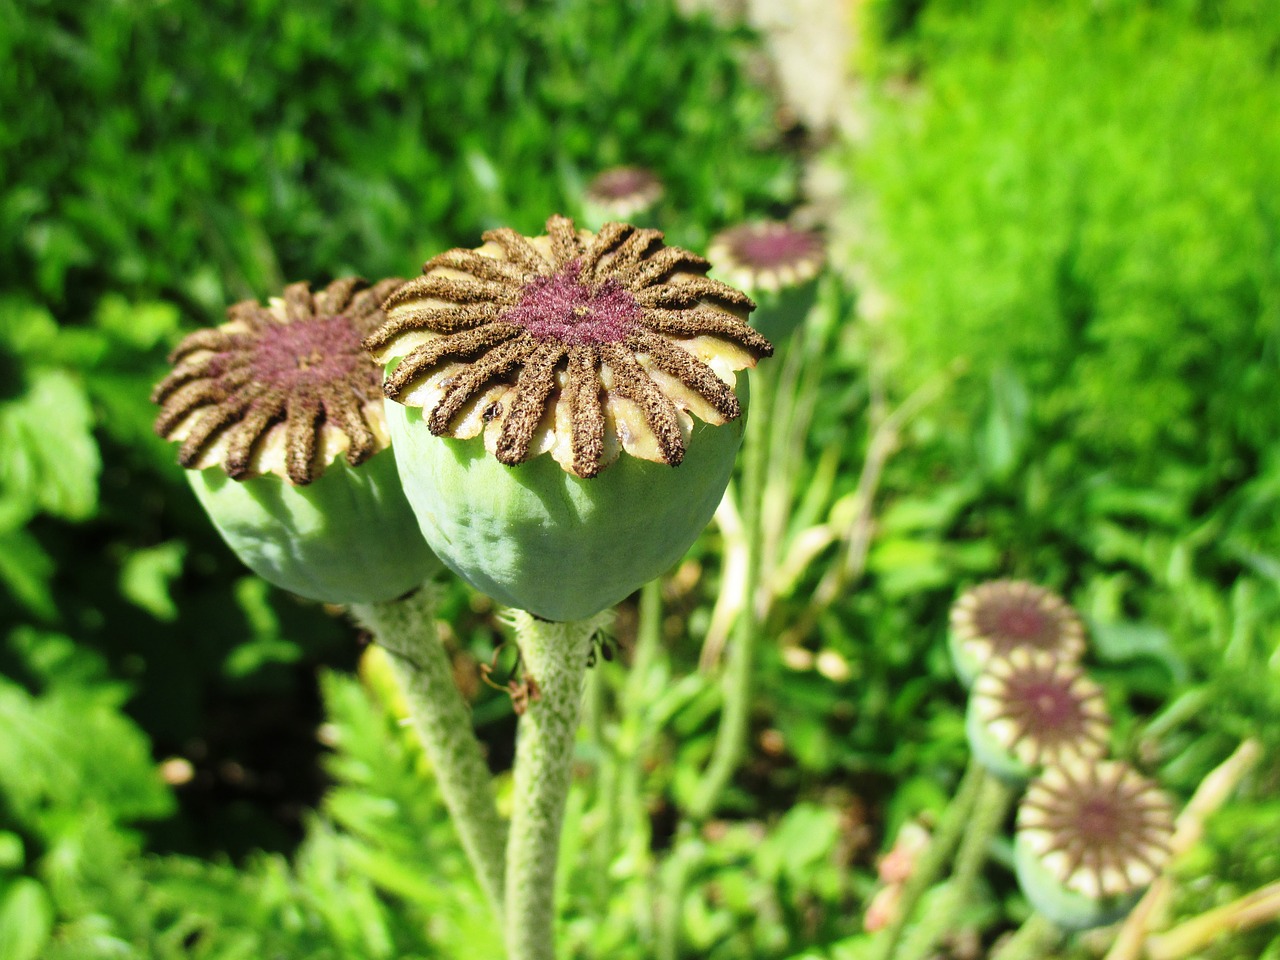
[(575, 344), (280, 389), (280, 419)]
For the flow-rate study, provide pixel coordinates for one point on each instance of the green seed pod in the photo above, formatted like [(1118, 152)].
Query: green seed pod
[(621, 193), (1029, 710), (280, 419), (1092, 836), (582, 361), (993, 619), (778, 265)]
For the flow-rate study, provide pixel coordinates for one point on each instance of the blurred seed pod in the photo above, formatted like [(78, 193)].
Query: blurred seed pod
[(778, 265), (1030, 710), (621, 193), (1092, 836), (995, 618)]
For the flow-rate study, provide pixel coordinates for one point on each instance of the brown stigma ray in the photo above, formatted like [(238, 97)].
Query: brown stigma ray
[(470, 344), (688, 369), (536, 382), (585, 411), (476, 377), (626, 338), (278, 385)]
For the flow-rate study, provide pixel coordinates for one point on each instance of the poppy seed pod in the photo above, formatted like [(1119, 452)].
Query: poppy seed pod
[(564, 409), (621, 193), (778, 265), (1029, 710), (279, 417), (995, 618), (1091, 837)]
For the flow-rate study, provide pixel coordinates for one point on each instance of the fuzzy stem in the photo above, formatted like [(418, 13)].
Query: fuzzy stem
[(1194, 935), (555, 659), (674, 879), (442, 719), (634, 735), (1037, 937), (1213, 791), (731, 738), (951, 825), (990, 810)]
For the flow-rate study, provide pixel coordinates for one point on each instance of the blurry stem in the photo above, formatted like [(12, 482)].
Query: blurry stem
[(1184, 707), (942, 845), (632, 739), (989, 812), (675, 877), (885, 435), (731, 596), (555, 659), (794, 397), (442, 719), (620, 800), (732, 734), (1036, 938), (1194, 935), (735, 716), (633, 743), (1210, 795), (606, 753)]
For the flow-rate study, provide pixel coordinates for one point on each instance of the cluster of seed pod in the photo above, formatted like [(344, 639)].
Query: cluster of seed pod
[(1092, 833)]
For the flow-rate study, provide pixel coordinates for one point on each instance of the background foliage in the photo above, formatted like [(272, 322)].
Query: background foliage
[(1064, 230)]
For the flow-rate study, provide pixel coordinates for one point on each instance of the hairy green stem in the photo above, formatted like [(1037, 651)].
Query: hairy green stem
[(942, 845), (442, 719), (555, 659), (989, 812), (735, 717), (674, 878), (633, 733), (604, 751), (1037, 937)]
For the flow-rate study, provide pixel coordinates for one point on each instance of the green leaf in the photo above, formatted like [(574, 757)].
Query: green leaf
[(26, 570), (27, 329), (805, 836), (142, 326), (147, 575), (1121, 642), (48, 456), (266, 644), (26, 920), (72, 748), (12, 853)]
